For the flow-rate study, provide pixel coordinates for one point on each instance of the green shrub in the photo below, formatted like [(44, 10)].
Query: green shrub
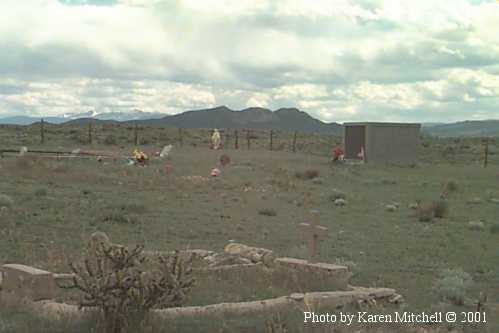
[(453, 285), (494, 228), (41, 192), (337, 194), (6, 201), (425, 213), (440, 208), (451, 186)]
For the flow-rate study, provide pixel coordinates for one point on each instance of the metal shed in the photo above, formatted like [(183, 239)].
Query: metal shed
[(382, 142)]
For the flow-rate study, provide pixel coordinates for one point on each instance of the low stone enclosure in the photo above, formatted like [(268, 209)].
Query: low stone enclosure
[(312, 285)]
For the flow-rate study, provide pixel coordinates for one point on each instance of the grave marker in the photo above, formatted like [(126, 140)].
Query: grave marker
[(314, 231), (26, 281)]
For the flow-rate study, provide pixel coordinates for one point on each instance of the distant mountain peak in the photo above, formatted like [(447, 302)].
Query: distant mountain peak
[(289, 110), (256, 109)]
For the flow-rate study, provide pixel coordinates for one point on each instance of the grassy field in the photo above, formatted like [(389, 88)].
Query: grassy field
[(56, 204)]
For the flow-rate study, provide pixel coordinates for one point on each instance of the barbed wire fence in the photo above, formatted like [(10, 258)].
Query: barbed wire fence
[(109, 135)]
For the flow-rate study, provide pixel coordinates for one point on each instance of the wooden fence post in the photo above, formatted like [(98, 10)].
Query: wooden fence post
[(248, 139), (236, 142), (271, 139), (486, 153), (180, 136), (136, 134), (90, 132), (42, 132), (294, 143)]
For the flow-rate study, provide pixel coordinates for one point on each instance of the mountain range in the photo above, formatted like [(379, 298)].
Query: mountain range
[(114, 116), (287, 119)]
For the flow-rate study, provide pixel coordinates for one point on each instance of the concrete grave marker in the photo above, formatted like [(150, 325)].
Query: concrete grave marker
[(29, 282), (314, 231)]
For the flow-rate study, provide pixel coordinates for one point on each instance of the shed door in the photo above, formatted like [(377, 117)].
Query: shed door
[(355, 140)]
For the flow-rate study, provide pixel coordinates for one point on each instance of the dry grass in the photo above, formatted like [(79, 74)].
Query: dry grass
[(267, 212)]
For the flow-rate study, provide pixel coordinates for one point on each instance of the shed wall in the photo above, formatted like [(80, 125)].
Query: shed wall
[(392, 144)]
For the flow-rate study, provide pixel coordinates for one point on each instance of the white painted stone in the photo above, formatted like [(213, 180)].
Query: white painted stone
[(340, 202), (476, 225), (391, 208), (413, 205)]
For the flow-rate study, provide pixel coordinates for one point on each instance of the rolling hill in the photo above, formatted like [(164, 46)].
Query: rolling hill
[(478, 128)]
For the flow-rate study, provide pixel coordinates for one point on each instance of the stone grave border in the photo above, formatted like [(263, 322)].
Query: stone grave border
[(38, 287)]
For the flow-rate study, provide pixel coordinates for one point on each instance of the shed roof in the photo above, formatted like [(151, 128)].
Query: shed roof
[(382, 124)]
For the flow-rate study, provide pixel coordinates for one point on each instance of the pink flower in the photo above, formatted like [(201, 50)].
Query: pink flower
[(215, 172)]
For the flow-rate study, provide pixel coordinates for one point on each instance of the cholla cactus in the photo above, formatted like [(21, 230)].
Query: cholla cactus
[(276, 325), (116, 280)]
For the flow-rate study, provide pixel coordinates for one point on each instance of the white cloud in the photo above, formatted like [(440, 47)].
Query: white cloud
[(338, 60), (258, 100)]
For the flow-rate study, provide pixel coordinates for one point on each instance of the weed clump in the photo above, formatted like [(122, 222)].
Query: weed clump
[(307, 174), (27, 163), (110, 140), (267, 212), (436, 209), (224, 160), (120, 217)]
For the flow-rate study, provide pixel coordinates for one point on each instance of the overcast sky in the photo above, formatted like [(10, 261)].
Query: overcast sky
[(339, 60)]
